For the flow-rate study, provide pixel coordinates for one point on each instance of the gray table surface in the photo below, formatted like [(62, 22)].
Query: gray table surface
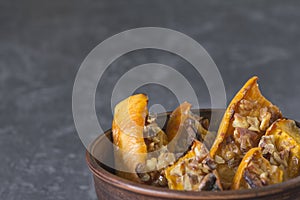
[(42, 44)]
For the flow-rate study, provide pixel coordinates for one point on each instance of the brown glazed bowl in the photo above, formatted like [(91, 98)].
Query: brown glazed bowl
[(109, 186)]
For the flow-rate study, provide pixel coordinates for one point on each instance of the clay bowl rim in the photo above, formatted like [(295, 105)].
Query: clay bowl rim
[(148, 190)]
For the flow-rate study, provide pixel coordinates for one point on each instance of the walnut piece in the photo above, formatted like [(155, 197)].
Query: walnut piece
[(265, 118), (254, 123), (240, 121)]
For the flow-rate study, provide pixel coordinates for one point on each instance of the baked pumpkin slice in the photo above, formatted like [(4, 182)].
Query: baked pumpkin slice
[(245, 121), (281, 146), (255, 171), (183, 127), (140, 148), (127, 129), (195, 171)]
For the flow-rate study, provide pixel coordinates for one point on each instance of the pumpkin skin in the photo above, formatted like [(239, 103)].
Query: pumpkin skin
[(281, 145), (127, 129), (245, 120), (255, 171)]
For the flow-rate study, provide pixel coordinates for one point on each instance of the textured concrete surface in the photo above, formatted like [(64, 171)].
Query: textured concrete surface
[(42, 44)]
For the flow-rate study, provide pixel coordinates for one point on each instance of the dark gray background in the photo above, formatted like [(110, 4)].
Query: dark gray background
[(42, 44)]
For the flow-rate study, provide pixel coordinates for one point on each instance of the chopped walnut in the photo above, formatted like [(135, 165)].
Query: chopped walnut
[(265, 118), (154, 137), (266, 142), (254, 123), (205, 169), (219, 159), (246, 105), (151, 164), (246, 138), (231, 153), (269, 150), (199, 124), (240, 121)]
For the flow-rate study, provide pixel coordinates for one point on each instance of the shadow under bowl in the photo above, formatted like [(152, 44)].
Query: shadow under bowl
[(100, 159)]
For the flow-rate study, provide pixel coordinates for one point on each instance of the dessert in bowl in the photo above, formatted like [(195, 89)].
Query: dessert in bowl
[(247, 151)]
